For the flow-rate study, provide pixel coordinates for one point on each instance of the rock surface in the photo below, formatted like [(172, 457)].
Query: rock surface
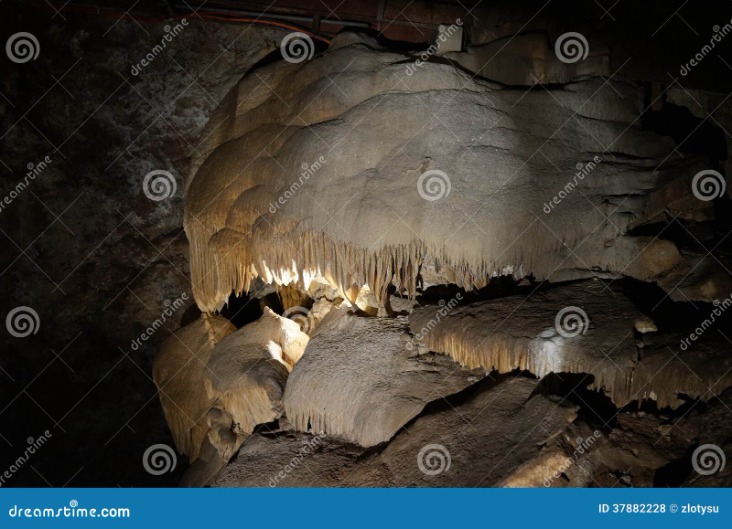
[(98, 260), (309, 178), (247, 371), (497, 61), (580, 328), (217, 383), (359, 381), (83, 245), (179, 371), (498, 437), (484, 439)]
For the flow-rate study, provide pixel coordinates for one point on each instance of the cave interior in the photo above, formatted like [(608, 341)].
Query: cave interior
[(366, 244)]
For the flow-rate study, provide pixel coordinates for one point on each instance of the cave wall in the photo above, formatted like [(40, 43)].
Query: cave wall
[(83, 245)]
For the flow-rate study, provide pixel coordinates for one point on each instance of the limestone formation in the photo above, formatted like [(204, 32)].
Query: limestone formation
[(359, 381), (248, 369), (580, 328), (217, 384), (349, 170), (485, 439), (179, 371), (359, 184)]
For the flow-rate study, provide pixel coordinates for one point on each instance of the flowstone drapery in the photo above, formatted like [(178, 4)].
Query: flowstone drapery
[(348, 168)]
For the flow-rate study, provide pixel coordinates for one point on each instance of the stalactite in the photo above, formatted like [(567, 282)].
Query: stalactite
[(517, 333)]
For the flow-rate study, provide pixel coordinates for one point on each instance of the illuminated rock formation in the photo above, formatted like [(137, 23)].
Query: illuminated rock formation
[(217, 383), (179, 371), (247, 371), (581, 328), (347, 168), (486, 440), (359, 381), (370, 179)]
